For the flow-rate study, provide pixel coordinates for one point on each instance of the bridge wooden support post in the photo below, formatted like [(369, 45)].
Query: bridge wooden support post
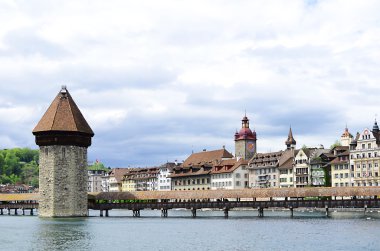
[(136, 213), (365, 209), (23, 211), (194, 212), (1, 212), (327, 211), (31, 211), (164, 213), (107, 213), (291, 211), (226, 213), (261, 211), (9, 211), (101, 213), (15, 211)]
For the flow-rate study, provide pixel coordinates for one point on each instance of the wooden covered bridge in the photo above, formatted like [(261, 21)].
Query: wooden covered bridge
[(322, 197)]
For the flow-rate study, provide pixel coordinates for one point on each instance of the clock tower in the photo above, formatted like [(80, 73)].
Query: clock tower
[(245, 141)]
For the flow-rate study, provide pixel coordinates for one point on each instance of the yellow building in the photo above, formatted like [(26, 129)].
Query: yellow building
[(341, 171)]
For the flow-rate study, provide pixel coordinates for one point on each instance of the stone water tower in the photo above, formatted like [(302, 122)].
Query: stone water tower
[(63, 136)]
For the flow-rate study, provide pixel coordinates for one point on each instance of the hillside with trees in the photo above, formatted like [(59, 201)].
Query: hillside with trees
[(19, 165)]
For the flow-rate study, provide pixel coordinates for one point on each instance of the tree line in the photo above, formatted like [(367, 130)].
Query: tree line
[(19, 165)]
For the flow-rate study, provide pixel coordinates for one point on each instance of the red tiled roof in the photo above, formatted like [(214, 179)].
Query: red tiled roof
[(206, 158)]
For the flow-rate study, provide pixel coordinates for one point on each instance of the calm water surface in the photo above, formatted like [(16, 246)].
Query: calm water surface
[(209, 231)]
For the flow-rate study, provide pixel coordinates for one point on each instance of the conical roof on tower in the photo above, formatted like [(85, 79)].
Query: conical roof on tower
[(290, 140), (63, 115)]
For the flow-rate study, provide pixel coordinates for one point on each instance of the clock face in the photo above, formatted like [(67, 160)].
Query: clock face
[(250, 147)]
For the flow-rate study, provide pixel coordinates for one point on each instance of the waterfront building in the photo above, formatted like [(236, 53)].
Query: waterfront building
[(285, 166), (229, 174), (164, 181), (147, 179), (320, 167), (63, 136), (195, 171), (106, 182), (341, 173), (301, 168), (245, 141), (365, 157), (115, 178), (95, 173), (263, 170)]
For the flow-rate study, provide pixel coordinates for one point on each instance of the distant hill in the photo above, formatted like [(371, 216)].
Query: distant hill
[(19, 165)]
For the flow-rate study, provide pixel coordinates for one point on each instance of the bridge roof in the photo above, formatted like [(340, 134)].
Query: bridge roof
[(18, 196), (216, 194), (239, 193)]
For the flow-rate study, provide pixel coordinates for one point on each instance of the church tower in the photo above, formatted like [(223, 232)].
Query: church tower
[(245, 141), (63, 136), (290, 142)]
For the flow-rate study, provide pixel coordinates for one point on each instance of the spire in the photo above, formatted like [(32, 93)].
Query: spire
[(290, 142), (375, 127)]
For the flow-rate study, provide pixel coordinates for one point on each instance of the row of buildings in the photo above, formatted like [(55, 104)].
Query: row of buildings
[(352, 162)]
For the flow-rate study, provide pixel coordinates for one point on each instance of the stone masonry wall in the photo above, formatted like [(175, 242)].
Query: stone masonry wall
[(63, 181)]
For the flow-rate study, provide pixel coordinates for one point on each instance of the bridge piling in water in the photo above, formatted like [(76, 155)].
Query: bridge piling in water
[(107, 213), (101, 213), (164, 213), (291, 211), (136, 213), (31, 211), (261, 211), (194, 212), (327, 211), (226, 213), (1, 212), (15, 211)]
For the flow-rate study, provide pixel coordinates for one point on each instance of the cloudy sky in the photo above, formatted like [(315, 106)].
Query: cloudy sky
[(157, 80)]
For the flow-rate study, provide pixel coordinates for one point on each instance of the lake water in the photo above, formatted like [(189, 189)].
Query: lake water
[(243, 230)]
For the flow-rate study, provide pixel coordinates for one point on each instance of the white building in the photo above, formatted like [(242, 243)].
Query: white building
[(229, 174), (164, 181), (365, 157)]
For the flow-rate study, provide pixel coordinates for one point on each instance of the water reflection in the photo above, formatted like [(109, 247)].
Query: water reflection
[(62, 234)]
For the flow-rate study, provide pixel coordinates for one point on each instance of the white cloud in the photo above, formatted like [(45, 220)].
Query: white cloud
[(172, 73)]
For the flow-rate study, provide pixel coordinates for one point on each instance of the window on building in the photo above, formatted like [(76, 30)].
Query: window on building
[(237, 183), (363, 146), (346, 166), (369, 145), (346, 175), (364, 166), (237, 175), (341, 175), (358, 175), (291, 179), (363, 155), (336, 176), (336, 184)]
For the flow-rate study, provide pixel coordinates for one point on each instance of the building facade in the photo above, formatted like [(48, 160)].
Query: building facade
[(230, 174), (96, 172), (164, 180), (195, 172), (264, 171), (365, 157)]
